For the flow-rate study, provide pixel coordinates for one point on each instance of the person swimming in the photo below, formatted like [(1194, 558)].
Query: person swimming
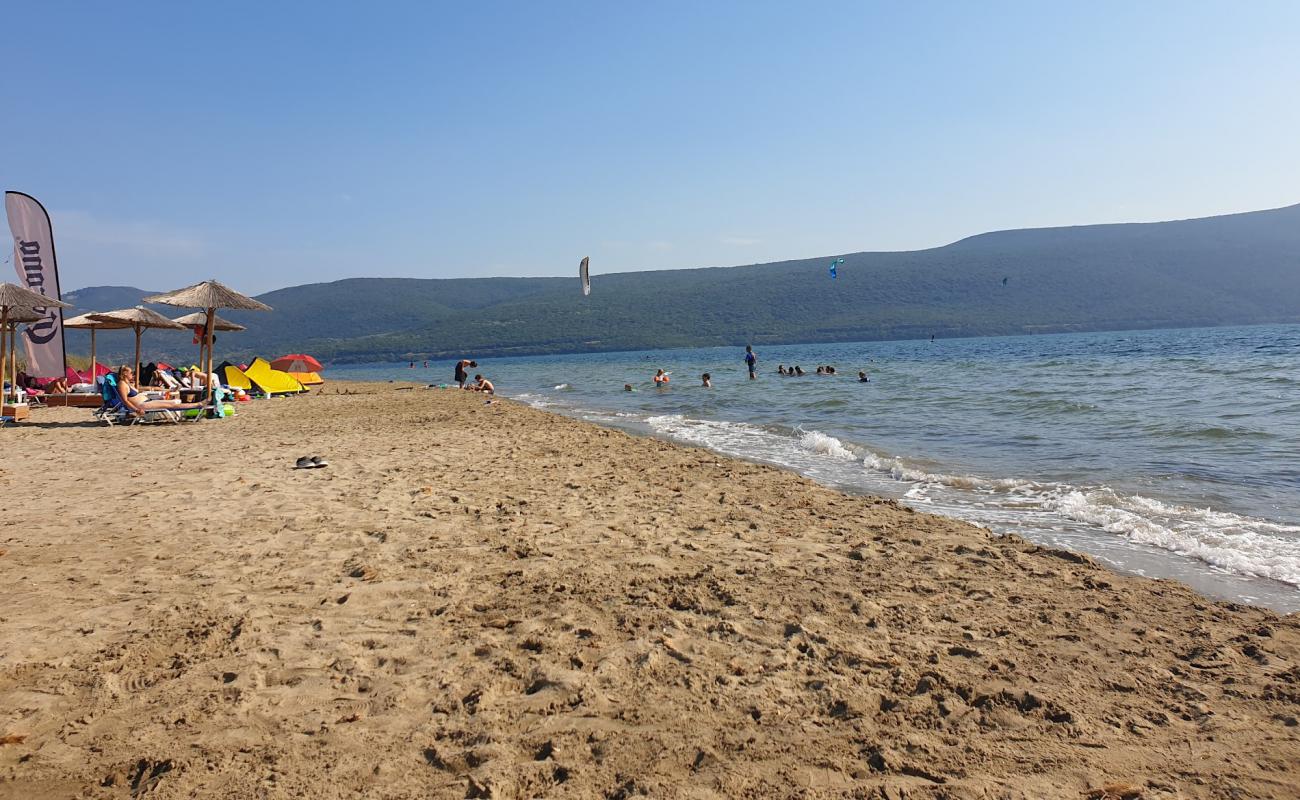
[(780, 369), (798, 370), (862, 378), (627, 387), (707, 381)]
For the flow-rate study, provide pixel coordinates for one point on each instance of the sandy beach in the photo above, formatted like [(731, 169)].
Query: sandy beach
[(492, 601)]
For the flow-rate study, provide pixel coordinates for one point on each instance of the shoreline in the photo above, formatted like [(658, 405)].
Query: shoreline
[(1210, 585), (509, 602)]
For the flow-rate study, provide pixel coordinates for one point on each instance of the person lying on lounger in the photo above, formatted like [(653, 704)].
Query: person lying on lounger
[(133, 400)]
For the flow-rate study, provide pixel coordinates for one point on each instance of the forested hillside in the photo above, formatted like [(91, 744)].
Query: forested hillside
[(1235, 269)]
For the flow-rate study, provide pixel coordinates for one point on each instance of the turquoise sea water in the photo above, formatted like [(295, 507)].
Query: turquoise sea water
[(1161, 453)]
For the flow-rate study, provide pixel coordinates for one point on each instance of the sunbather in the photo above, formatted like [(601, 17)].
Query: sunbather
[(133, 400)]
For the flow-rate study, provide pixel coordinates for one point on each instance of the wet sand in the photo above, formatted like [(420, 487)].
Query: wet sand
[(493, 601)]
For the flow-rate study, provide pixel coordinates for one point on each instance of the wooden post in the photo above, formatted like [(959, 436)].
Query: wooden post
[(11, 332), (138, 331), (13, 362), (207, 336), (4, 351)]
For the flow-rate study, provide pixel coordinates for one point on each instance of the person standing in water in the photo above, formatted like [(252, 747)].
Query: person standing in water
[(751, 361), (708, 381), (661, 378)]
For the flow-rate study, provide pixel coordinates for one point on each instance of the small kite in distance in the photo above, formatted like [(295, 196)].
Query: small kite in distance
[(835, 273), (585, 276)]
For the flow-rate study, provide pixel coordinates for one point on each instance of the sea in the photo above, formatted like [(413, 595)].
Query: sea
[(1164, 453)]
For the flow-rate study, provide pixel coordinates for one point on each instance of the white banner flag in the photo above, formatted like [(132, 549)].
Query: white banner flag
[(37, 270)]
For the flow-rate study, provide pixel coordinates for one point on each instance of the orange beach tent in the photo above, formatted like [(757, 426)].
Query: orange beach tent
[(302, 367)]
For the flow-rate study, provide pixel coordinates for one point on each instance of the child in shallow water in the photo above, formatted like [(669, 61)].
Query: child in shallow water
[(708, 381), (661, 378)]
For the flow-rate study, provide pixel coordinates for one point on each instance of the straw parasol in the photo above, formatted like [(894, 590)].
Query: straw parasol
[(209, 295), (199, 319), (138, 319), (88, 322), (12, 298)]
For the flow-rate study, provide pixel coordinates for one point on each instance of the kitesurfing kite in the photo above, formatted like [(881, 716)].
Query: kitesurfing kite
[(585, 276), (834, 264)]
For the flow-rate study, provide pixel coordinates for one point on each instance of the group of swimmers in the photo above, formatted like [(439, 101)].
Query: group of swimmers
[(796, 371), (662, 379)]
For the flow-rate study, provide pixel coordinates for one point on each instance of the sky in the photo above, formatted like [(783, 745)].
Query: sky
[(275, 144)]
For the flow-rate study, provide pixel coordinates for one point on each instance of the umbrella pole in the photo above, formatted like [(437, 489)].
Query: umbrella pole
[(13, 359), (138, 331), (93, 369), (207, 336), (4, 351)]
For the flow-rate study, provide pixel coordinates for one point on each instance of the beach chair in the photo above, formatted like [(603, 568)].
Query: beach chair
[(114, 412)]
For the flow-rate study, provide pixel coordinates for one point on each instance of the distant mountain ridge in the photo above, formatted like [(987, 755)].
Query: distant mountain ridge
[(1232, 269)]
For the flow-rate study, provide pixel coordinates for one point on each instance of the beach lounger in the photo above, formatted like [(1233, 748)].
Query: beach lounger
[(114, 412)]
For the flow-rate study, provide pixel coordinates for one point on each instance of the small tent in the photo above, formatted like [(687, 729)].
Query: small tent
[(270, 380), (234, 377), (307, 378)]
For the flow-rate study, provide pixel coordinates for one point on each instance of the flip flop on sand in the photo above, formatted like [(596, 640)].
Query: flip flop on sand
[(317, 461), (303, 463)]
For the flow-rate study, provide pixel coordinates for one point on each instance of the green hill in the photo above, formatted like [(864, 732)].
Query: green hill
[(1234, 269)]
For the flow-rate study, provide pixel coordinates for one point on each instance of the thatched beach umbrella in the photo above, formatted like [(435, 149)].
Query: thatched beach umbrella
[(199, 319), (87, 322), (209, 295), (138, 319), (12, 298)]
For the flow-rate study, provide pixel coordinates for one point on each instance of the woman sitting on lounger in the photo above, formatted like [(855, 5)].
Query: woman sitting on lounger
[(133, 400)]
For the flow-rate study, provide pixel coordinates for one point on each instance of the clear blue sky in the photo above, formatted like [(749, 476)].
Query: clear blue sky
[(271, 144)]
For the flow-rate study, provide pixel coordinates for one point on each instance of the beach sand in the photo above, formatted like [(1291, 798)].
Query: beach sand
[(492, 601)]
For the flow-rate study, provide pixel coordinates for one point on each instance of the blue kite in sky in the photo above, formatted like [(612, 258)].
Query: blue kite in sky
[(834, 264)]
